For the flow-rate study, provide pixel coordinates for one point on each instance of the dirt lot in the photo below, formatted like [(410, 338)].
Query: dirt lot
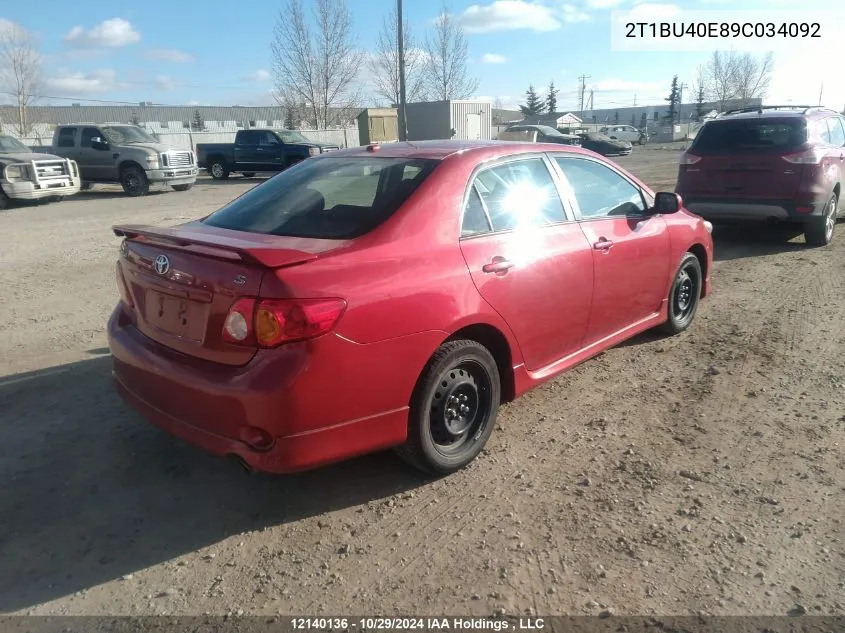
[(699, 474)]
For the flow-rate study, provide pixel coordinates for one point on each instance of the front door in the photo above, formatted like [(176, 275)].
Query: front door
[(528, 260), (630, 246), (271, 152), (96, 164)]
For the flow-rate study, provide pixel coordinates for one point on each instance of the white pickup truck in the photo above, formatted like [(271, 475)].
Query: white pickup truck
[(25, 175)]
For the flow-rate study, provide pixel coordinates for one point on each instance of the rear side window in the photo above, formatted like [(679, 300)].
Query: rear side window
[(835, 133), (750, 135), (67, 137), (326, 198), (520, 193), (475, 219)]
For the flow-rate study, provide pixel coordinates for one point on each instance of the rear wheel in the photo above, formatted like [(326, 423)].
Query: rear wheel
[(453, 409), (218, 169), (184, 187), (684, 295), (134, 181), (819, 231)]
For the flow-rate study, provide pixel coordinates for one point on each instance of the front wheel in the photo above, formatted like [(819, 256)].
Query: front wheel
[(819, 231), (134, 182), (453, 409), (684, 295), (184, 187)]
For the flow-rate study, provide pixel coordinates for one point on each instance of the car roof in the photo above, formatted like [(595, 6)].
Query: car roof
[(439, 150), (788, 111)]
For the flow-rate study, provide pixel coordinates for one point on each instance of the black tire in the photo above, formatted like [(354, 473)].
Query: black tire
[(5, 203), (819, 231), (249, 174), (684, 295), (85, 186), (453, 408), (218, 169), (184, 187), (134, 181)]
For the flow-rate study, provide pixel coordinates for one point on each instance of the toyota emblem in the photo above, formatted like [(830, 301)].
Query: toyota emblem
[(161, 264)]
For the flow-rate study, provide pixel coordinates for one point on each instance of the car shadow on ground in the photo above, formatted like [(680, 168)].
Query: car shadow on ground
[(89, 491), (739, 241)]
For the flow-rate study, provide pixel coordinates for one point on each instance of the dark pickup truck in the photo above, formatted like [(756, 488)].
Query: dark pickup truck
[(257, 151)]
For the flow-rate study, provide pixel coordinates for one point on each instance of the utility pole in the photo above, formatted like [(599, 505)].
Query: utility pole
[(583, 79), (635, 100), (591, 107), (403, 122)]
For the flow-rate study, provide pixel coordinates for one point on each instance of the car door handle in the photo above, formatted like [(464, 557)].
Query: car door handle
[(603, 244), (497, 265)]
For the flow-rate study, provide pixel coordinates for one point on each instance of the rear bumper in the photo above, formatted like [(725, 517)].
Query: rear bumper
[(745, 210), (320, 402)]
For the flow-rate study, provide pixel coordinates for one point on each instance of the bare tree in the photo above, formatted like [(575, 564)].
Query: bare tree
[(20, 71), (446, 75), (320, 68), (735, 76), (384, 64)]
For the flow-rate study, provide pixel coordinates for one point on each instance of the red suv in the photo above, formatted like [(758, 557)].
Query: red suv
[(775, 163)]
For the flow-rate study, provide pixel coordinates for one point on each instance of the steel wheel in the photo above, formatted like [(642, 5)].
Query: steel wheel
[(684, 295), (459, 408), (819, 230), (453, 408), (217, 170)]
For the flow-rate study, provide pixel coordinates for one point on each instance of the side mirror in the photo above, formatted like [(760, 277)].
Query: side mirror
[(98, 143), (667, 202)]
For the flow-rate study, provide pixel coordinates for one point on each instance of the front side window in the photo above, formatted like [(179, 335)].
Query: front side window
[(88, 135), (600, 191), (519, 194), (325, 198), (268, 139)]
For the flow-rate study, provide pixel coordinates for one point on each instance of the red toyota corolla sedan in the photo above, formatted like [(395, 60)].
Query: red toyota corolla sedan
[(394, 296)]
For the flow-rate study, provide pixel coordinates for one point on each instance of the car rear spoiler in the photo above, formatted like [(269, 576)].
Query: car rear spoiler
[(262, 252)]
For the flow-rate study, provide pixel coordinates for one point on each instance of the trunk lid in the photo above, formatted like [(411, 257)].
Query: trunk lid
[(183, 280), (743, 158)]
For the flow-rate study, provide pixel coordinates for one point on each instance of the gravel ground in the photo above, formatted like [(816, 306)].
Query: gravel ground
[(697, 474)]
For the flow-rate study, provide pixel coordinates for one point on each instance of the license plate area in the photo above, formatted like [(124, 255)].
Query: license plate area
[(175, 315)]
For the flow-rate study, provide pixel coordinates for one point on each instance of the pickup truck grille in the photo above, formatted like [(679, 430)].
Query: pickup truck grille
[(52, 169), (178, 159)]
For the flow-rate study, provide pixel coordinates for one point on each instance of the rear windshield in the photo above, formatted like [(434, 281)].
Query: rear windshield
[(326, 198), (750, 135)]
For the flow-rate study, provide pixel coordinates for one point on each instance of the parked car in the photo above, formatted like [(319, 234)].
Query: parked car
[(258, 151), (26, 175), (604, 145), (394, 296), (544, 134), (125, 154), (770, 164), (626, 133)]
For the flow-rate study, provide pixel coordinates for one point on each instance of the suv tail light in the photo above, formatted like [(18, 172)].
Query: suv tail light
[(273, 322), (689, 159), (812, 156), (122, 286)]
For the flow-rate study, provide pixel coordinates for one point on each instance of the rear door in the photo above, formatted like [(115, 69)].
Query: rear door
[(743, 159), (66, 144), (630, 246), (247, 154), (528, 259)]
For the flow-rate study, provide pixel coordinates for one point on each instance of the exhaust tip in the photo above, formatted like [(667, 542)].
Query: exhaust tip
[(242, 463)]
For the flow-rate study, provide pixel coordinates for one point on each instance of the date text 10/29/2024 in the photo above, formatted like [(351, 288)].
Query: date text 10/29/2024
[(417, 624)]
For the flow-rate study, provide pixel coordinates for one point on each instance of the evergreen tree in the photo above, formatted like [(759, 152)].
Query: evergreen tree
[(551, 98), (290, 118), (673, 99), (533, 103), (699, 103), (198, 124), (616, 118)]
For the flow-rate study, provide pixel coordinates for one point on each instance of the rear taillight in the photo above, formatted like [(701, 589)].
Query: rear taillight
[(274, 322), (812, 156), (689, 159), (122, 286), (238, 327)]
